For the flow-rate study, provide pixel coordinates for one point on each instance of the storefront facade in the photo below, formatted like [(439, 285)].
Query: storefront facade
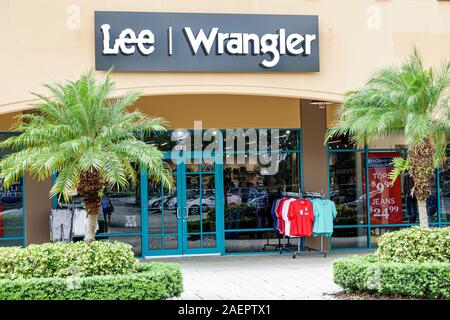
[(220, 206)]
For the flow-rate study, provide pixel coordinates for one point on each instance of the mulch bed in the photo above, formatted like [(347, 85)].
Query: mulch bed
[(342, 295)]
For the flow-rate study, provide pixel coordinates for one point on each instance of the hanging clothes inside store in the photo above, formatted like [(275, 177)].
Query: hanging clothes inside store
[(324, 214), (61, 225), (67, 224), (298, 215)]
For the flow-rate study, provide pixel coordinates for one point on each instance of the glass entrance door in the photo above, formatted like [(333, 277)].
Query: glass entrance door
[(189, 219), (200, 207)]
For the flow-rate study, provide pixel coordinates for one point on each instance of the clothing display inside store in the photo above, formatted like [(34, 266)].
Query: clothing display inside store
[(303, 215), (61, 225), (67, 224)]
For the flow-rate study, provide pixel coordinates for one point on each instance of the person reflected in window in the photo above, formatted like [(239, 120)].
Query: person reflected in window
[(412, 210), (107, 209)]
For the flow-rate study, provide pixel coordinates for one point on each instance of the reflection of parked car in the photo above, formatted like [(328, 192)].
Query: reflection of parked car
[(241, 192), (156, 201), (210, 202), (361, 200), (261, 200)]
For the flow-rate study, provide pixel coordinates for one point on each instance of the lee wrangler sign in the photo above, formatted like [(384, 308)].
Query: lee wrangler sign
[(144, 41)]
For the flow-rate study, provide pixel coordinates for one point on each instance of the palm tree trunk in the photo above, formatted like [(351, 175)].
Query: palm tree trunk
[(91, 228), (90, 186), (423, 215), (422, 169)]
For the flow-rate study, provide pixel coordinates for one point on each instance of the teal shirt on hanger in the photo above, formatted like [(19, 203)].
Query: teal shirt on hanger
[(324, 214)]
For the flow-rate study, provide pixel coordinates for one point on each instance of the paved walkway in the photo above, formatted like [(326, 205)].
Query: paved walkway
[(264, 276)]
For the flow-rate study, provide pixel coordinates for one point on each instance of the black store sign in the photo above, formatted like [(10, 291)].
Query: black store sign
[(148, 41)]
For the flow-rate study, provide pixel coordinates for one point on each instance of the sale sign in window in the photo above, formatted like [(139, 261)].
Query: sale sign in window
[(385, 196)]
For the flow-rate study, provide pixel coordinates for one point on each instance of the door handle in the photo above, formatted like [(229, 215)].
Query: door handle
[(187, 212), (178, 216)]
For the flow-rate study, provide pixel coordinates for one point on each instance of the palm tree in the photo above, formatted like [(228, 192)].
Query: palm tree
[(409, 99), (88, 139)]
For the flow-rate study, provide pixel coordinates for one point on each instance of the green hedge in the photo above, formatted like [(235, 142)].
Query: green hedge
[(414, 279), (415, 244), (66, 259), (150, 281)]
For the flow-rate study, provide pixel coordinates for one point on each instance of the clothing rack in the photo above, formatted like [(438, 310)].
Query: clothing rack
[(280, 246), (285, 245), (305, 195)]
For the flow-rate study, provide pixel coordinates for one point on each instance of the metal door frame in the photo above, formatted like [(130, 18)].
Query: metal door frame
[(182, 248)]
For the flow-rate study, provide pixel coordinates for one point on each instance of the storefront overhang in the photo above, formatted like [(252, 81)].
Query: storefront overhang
[(151, 90)]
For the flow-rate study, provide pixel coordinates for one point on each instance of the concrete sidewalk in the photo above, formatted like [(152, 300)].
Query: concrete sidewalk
[(265, 276)]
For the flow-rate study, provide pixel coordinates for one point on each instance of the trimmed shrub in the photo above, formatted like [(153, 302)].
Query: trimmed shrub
[(150, 281), (66, 259), (415, 244), (367, 274)]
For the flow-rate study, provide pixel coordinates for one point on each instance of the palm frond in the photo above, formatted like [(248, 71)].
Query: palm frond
[(79, 129)]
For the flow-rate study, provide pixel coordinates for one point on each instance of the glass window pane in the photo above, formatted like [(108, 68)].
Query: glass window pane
[(394, 203), (11, 243), (155, 207), (126, 217), (255, 241), (193, 199), (347, 190), (194, 240), (208, 203), (341, 142), (209, 240), (162, 207), (349, 238), (155, 243), (171, 242), (250, 191), (120, 211), (445, 191), (11, 210), (162, 140)]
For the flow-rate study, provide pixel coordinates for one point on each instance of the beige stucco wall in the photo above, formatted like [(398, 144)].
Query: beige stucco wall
[(356, 37), (223, 111)]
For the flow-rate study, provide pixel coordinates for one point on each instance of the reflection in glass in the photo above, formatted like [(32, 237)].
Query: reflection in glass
[(126, 217), (341, 142), (249, 194), (11, 243), (288, 139), (171, 242), (376, 233), (209, 240), (11, 210), (347, 190), (162, 215), (445, 191), (255, 241), (193, 198), (410, 207), (349, 238)]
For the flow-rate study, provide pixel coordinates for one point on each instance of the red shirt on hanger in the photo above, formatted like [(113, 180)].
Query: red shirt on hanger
[(301, 216)]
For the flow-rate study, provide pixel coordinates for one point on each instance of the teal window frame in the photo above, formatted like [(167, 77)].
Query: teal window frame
[(23, 237), (368, 225)]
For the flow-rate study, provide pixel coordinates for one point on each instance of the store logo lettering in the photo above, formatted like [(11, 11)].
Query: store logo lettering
[(126, 41), (275, 45)]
